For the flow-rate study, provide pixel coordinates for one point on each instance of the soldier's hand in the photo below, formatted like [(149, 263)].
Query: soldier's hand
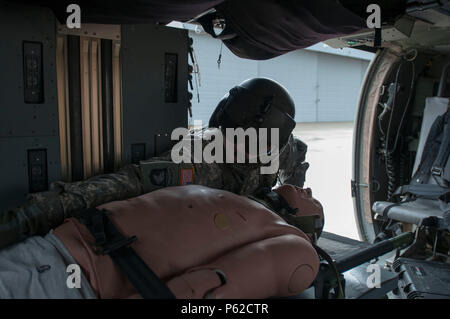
[(296, 177)]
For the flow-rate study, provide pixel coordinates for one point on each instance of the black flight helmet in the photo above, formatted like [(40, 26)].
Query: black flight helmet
[(258, 103)]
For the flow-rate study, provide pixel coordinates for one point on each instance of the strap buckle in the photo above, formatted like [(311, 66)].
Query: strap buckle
[(435, 170), (116, 245)]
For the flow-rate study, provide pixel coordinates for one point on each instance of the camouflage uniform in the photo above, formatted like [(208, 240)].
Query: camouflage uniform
[(246, 179), (46, 210), (64, 200)]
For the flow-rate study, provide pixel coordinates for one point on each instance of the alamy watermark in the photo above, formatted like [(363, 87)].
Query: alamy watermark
[(73, 21), (374, 279), (74, 18), (74, 277), (235, 146), (374, 19)]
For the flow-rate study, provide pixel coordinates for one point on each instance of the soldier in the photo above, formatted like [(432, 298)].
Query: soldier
[(259, 103), (256, 103)]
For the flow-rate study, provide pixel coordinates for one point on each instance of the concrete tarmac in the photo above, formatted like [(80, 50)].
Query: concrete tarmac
[(329, 175)]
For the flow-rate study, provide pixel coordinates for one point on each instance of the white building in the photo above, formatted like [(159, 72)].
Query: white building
[(324, 82)]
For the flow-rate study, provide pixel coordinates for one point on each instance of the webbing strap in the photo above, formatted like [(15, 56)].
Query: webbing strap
[(444, 151), (388, 208), (278, 202), (436, 151), (114, 244), (430, 151)]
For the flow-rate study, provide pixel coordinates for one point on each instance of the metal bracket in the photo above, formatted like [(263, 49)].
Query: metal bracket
[(101, 31), (354, 185)]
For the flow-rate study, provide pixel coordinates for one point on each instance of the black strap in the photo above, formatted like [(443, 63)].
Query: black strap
[(322, 277), (311, 224), (444, 151), (113, 243), (276, 201), (436, 150), (388, 208)]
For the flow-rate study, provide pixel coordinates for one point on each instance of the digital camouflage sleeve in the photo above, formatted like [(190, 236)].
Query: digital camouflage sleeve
[(246, 179), (46, 210)]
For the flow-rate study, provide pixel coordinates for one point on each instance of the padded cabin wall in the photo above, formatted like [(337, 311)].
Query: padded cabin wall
[(154, 88), (37, 131), (89, 99), (29, 139)]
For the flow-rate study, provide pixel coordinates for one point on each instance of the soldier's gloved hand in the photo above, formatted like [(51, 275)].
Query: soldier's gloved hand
[(26, 221), (292, 163), (296, 176)]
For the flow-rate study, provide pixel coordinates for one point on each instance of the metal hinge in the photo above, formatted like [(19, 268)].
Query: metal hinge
[(354, 185)]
